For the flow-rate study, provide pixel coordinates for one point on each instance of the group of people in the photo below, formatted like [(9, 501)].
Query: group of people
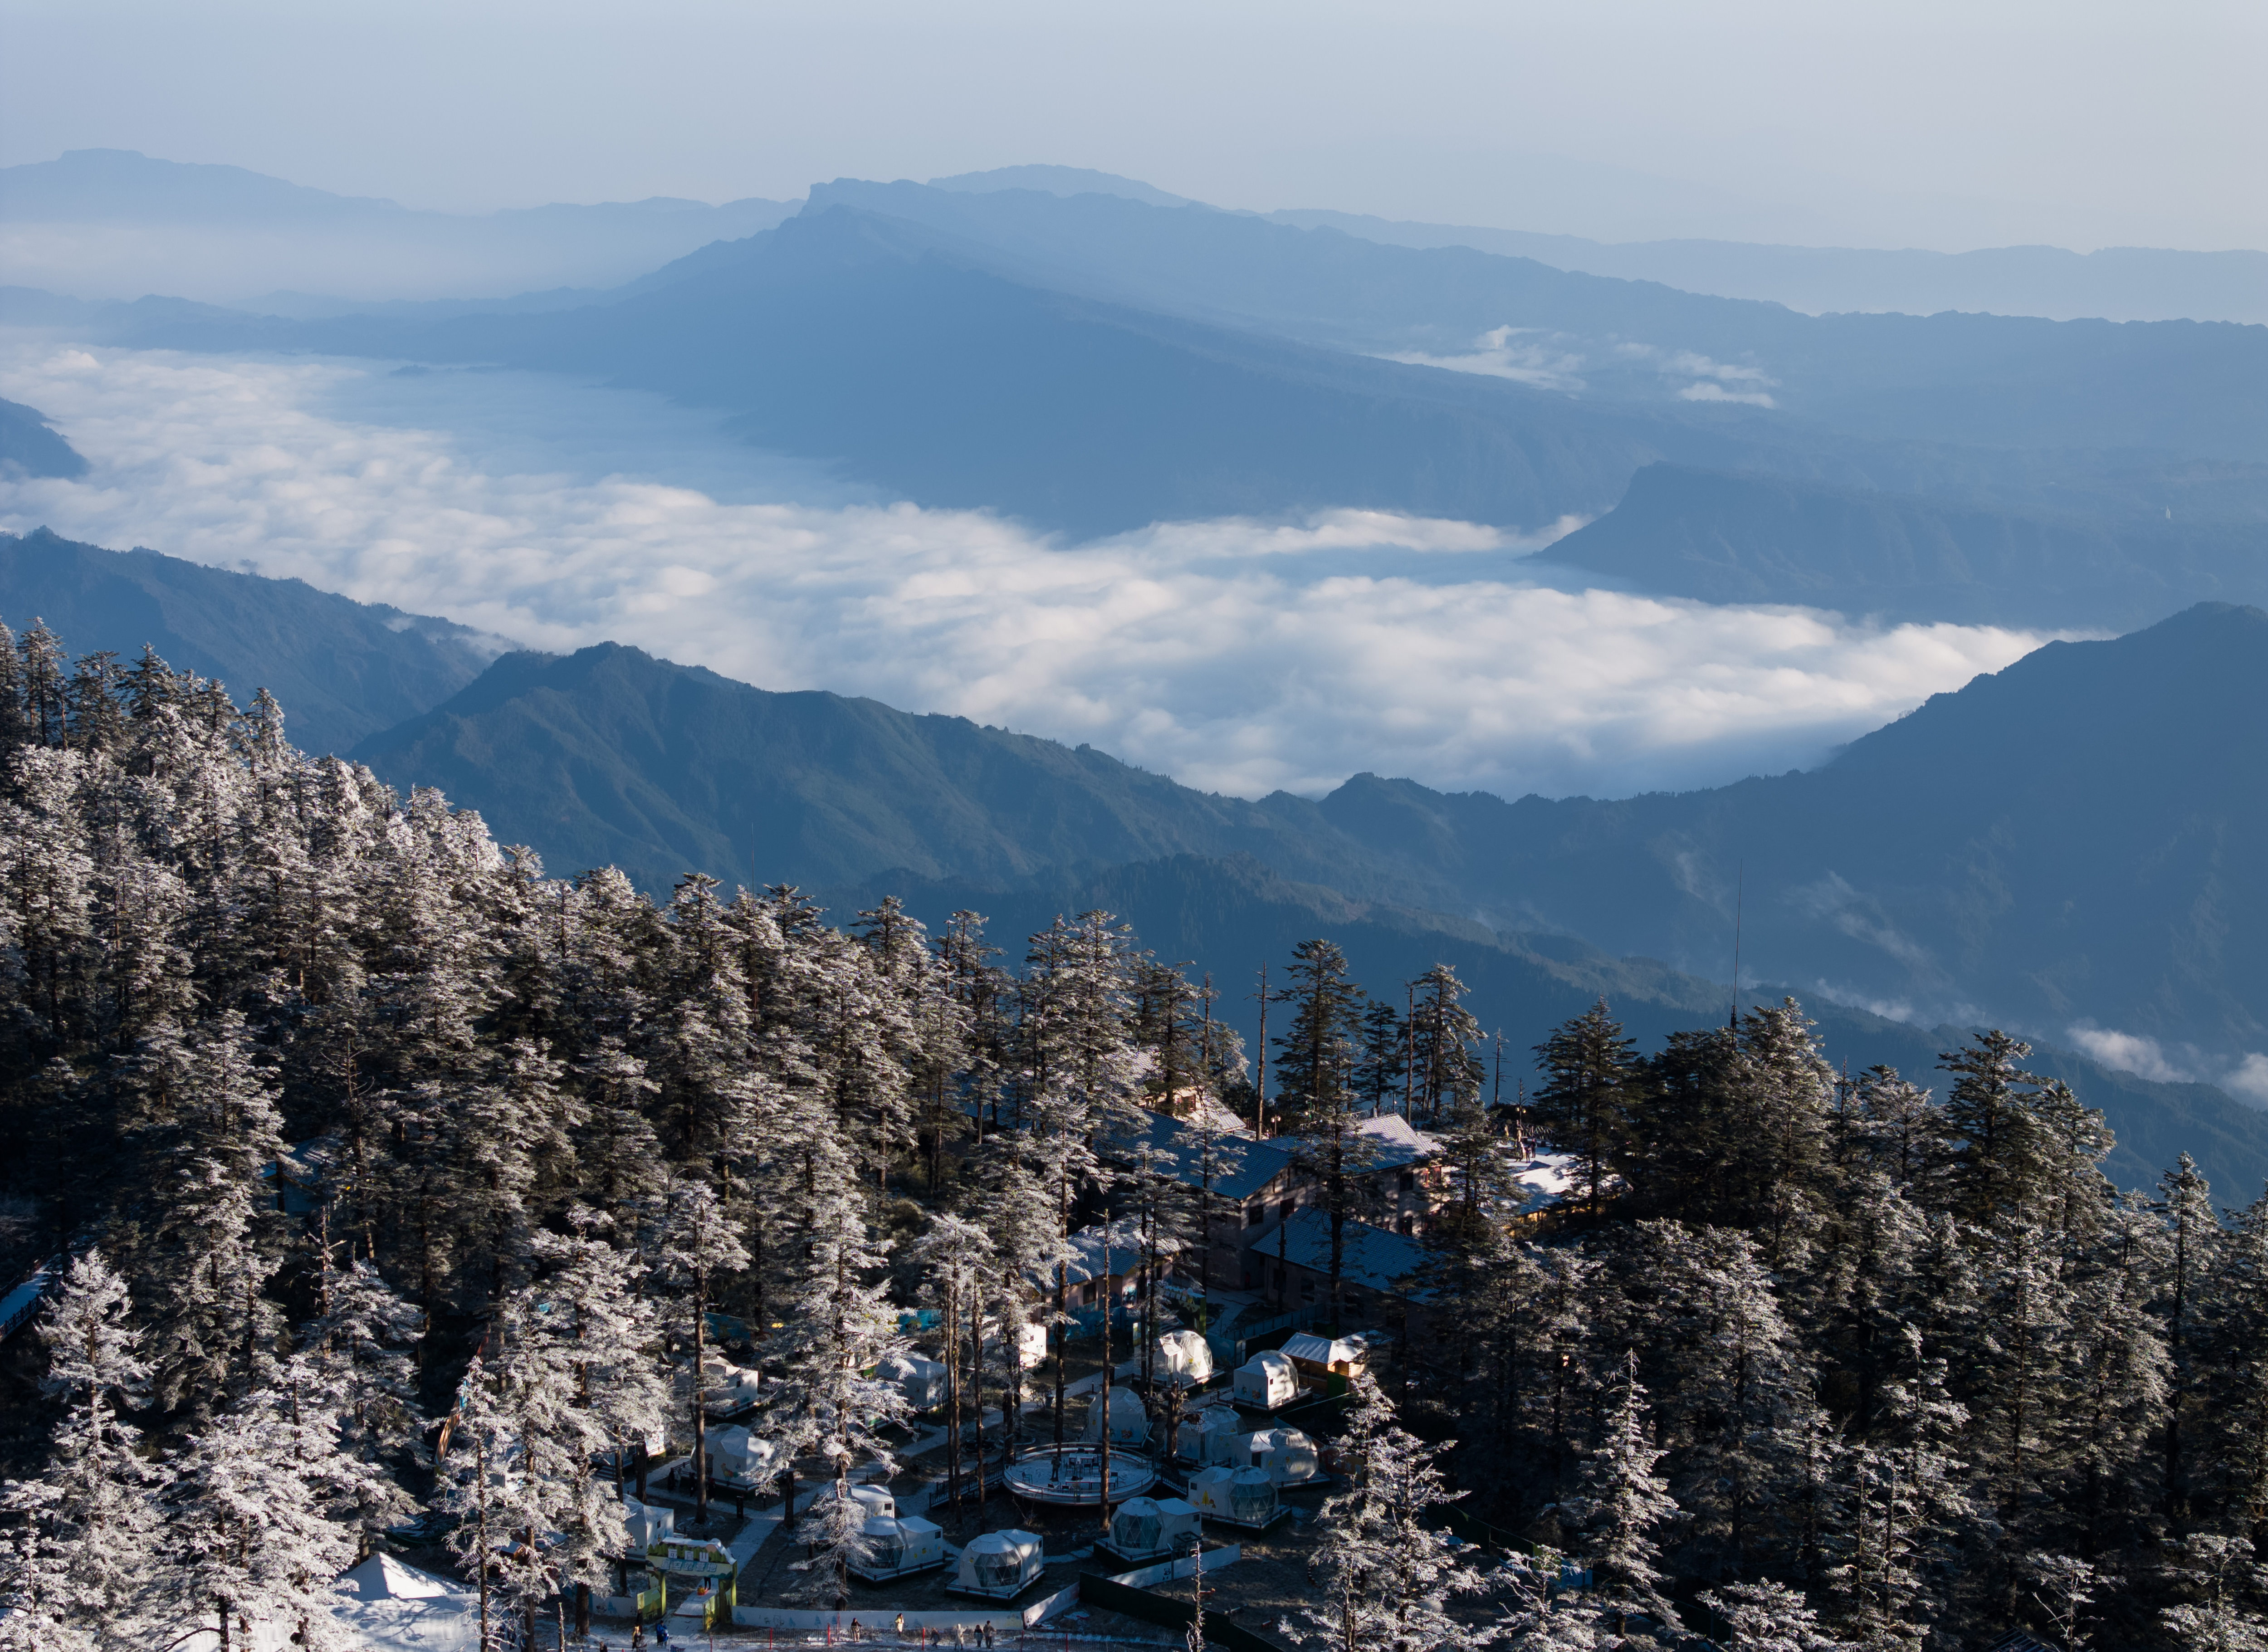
[(932, 1636)]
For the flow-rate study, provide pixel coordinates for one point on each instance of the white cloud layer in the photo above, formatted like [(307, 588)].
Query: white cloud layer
[(2146, 1057), (1238, 656)]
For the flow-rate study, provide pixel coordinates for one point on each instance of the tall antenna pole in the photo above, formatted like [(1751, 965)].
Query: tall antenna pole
[(1740, 890)]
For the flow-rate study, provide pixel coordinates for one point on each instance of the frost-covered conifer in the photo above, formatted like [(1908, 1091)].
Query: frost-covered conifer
[(1622, 1500), (1385, 1575), (80, 1562)]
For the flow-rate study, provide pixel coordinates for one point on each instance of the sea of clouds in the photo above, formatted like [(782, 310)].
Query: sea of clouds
[(1240, 656)]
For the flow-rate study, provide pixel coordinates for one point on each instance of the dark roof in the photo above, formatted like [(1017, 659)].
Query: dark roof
[(1240, 1166), (1374, 1257)]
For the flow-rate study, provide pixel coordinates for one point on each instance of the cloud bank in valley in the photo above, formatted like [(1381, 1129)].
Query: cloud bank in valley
[(1237, 656)]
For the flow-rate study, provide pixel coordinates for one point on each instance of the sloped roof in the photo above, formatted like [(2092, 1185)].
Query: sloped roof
[(1394, 1142), (1374, 1258), (1240, 1166)]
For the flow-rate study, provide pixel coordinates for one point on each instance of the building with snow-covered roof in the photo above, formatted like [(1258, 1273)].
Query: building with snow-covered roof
[(1376, 1269), (1255, 1183)]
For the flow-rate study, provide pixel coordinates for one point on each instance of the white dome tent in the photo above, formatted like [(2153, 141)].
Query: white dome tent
[(1267, 1382), (1287, 1455), (1184, 1356), (1129, 1419), (741, 1461), (1144, 1530), (999, 1565), (899, 1548)]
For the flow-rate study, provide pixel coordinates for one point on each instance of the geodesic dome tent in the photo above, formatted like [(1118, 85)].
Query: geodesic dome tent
[(1129, 1419), (1288, 1455), (896, 1547), (1251, 1497), (1243, 1497), (1210, 1436), (1267, 1381), (922, 1381), (1145, 1529), (999, 1564), (1184, 1356), (739, 1459)]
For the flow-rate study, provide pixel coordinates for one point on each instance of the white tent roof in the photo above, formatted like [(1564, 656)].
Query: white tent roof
[(397, 1608), (1322, 1350), (382, 1577)]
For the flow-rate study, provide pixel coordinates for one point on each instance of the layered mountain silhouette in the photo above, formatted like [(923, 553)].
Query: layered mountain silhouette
[(2118, 283), (342, 669), (31, 447), (1721, 537), (2068, 839), (1092, 363), (117, 222)]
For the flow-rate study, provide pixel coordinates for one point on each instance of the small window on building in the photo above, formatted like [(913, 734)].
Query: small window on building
[(1306, 1290), (1255, 1214), (1409, 1180), (1409, 1226), (1284, 1211)]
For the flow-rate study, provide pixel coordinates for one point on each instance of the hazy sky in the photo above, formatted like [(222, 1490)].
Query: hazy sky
[(1949, 123)]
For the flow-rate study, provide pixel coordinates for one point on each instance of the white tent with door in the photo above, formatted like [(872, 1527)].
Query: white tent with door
[(1184, 1356), (922, 1381), (898, 1548), (1129, 1417), (742, 1461), (1148, 1529), (999, 1564), (1210, 1436), (1267, 1381), (1243, 1497), (1288, 1455)]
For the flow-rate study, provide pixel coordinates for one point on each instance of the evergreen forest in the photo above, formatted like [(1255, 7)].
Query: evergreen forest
[(394, 1183)]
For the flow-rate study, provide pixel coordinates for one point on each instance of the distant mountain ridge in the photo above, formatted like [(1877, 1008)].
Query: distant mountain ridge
[(342, 670), (1718, 537), (32, 446), (2074, 838), (1091, 364), (2118, 283), (120, 224)]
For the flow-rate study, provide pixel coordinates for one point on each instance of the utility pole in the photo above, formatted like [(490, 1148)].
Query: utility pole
[(1260, 1094)]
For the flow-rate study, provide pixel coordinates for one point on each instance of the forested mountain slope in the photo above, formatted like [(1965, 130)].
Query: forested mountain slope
[(344, 668), (2076, 836), (2064, 842), (1725, 538), (610, 756), (1225, 917)]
